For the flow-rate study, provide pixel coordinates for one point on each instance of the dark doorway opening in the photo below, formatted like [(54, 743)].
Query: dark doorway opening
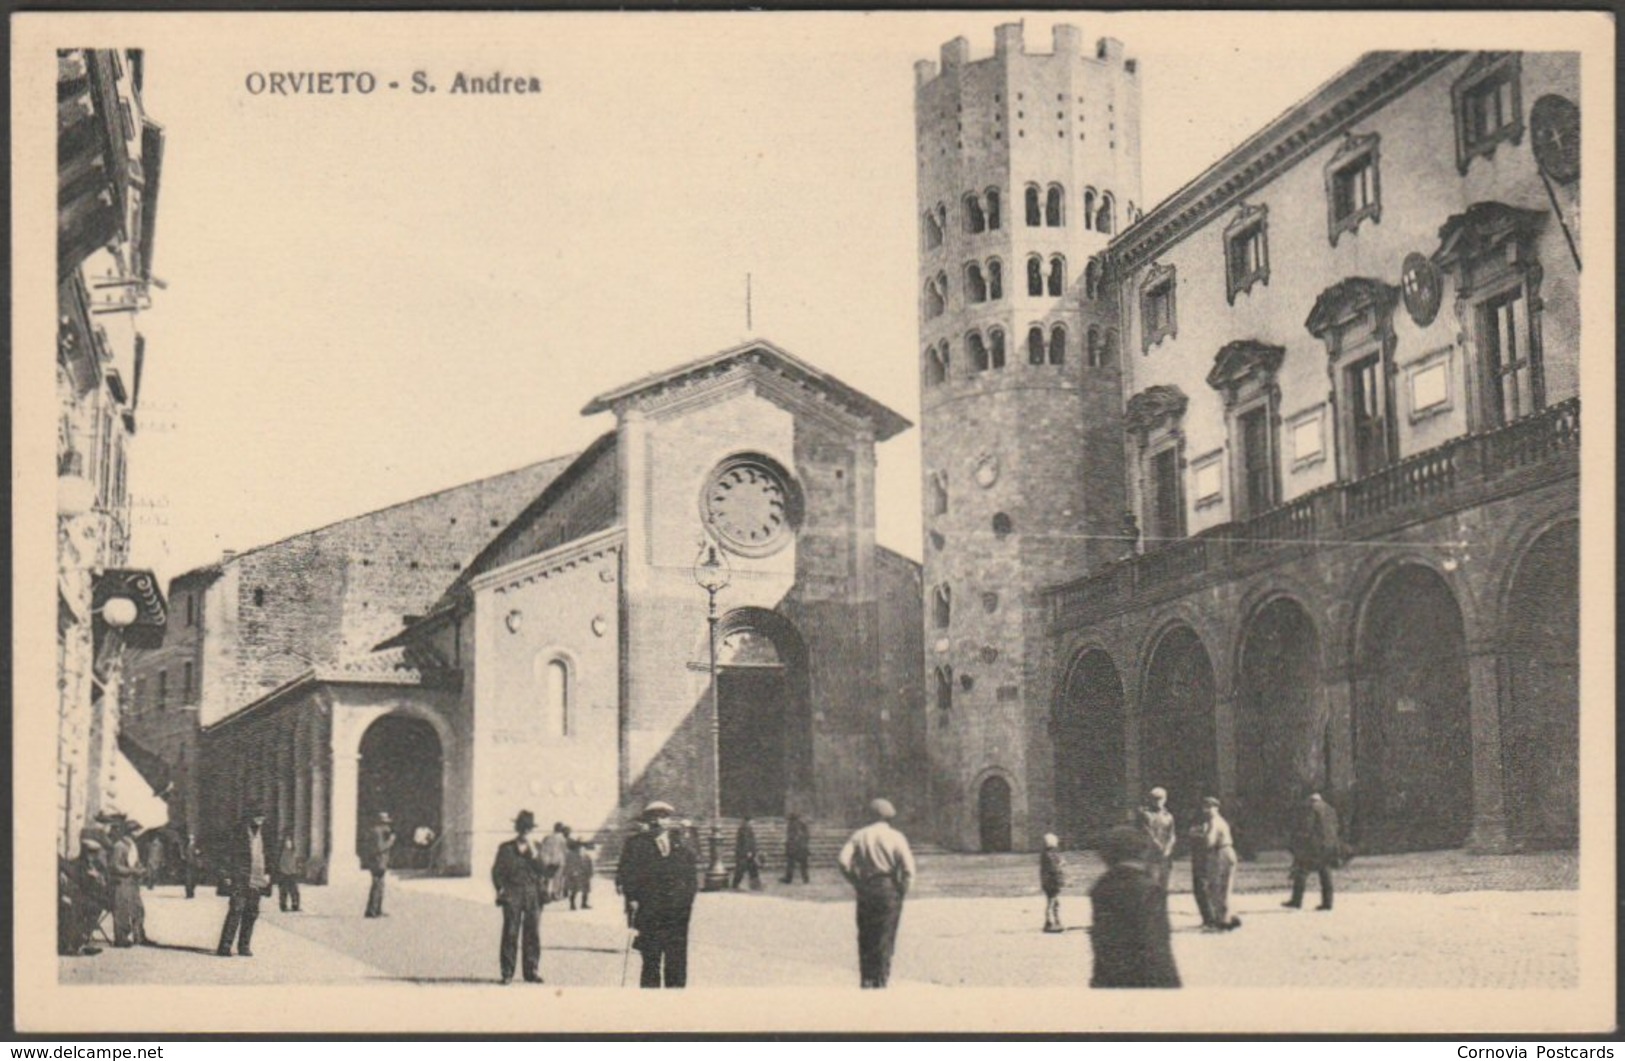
[(1089, 755), (750, 740), (401, 772), (1413, 753), (993, 814), (1177, 742), (1280, 724), (1540, 730)]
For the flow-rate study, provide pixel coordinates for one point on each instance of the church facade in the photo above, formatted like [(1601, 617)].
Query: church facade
[(566, 667)]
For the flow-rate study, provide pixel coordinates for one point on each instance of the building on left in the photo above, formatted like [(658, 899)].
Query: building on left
[(109, 158)]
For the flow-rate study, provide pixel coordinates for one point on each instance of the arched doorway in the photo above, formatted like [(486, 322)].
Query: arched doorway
[(1177, 744), (1281, 745), (1089, 754), (1540, 729), (401, 772), (764, 738), (993, 814), (1413, 755)]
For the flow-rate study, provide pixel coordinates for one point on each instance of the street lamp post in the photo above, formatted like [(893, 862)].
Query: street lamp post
[(711, 573)]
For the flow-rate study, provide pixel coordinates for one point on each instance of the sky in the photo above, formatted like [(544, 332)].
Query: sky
[(369, 298)]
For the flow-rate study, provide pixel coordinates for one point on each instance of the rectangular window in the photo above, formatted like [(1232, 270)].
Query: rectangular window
[(191, 610), (163, 689), (1167, 508), (1354, 189), (1488, 104), (1367, 419), (1257, 461), (1504, 331), (188, 690), (1246, 252), (1489, 108)]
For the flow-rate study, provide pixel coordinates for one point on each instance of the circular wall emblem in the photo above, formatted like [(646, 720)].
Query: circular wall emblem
[(1420, 283), (1554, 134), (750, 504)]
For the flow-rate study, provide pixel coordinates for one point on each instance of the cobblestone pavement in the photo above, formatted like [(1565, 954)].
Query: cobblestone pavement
[(1433, 920)]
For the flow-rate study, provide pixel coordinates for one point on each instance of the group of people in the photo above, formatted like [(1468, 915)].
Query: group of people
[(105, 878), (749, 861), (1130, 930)]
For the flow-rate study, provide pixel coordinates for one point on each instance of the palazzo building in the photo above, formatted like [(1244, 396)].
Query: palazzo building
[(1320, 480), (552, 651)]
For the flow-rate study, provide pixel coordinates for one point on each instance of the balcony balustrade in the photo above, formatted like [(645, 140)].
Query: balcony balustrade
[(1464, 472)]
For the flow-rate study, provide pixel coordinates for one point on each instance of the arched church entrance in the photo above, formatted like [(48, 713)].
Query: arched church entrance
[(1540, 731), (1281, 745), (1089, 754), (764, 735), (402, 772), (1413, 752), (993, 814), (1177, 742)]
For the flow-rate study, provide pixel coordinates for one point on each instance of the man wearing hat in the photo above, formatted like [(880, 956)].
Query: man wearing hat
[(517, 876), (1221, 866), (380, 839), (129, 913), (657, 874), (1158, 823), (1129, 929), (245, 877), (1316, 848), (877, 862)]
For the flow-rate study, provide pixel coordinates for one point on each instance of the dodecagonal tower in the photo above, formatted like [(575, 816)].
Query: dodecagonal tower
[(1027, 164)]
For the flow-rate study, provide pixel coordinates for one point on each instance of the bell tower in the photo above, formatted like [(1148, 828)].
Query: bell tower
[(1028, 164)]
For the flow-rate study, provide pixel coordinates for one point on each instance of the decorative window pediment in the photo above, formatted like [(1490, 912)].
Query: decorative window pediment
[(1243, 362), (1346, 300), (1353, 185), (1483, 229), (1155, 407)]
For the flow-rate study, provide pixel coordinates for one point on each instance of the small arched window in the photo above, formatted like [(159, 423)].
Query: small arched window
[(937, 485), (1091, 279), (1089, 209), (1057, 275), (1035, 345), (932, 231), (1093, 356), (995, 279), (1108, 346), (975, 220), (1105, 220), (1035, 276), (942, 606), (1057, 345), (556, 692), (945, 687), (975, 284), (936, 366), (1035, 207), (995, 353), (935, 304), (978, 351), (1055, 207), (1003, 525), (259, 598), (992, 198)]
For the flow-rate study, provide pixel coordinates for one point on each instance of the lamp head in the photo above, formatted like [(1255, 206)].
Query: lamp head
[(119, 612), (711, 568)]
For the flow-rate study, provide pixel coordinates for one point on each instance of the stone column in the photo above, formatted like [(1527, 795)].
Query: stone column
[(1484, 691), (346, 778), (1338, 691), (1224, 742)]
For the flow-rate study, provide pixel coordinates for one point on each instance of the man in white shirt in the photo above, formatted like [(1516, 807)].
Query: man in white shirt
[(877, 862)]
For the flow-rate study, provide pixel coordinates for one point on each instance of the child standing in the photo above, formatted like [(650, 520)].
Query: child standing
[(1052, 878)]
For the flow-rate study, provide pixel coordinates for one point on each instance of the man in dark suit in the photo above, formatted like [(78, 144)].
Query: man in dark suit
[(1317, 846), (245, 877), (747, 855), (517, 876), (380, 840), (192, 857), (1130, 929), (797, 847), (657, 874)]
